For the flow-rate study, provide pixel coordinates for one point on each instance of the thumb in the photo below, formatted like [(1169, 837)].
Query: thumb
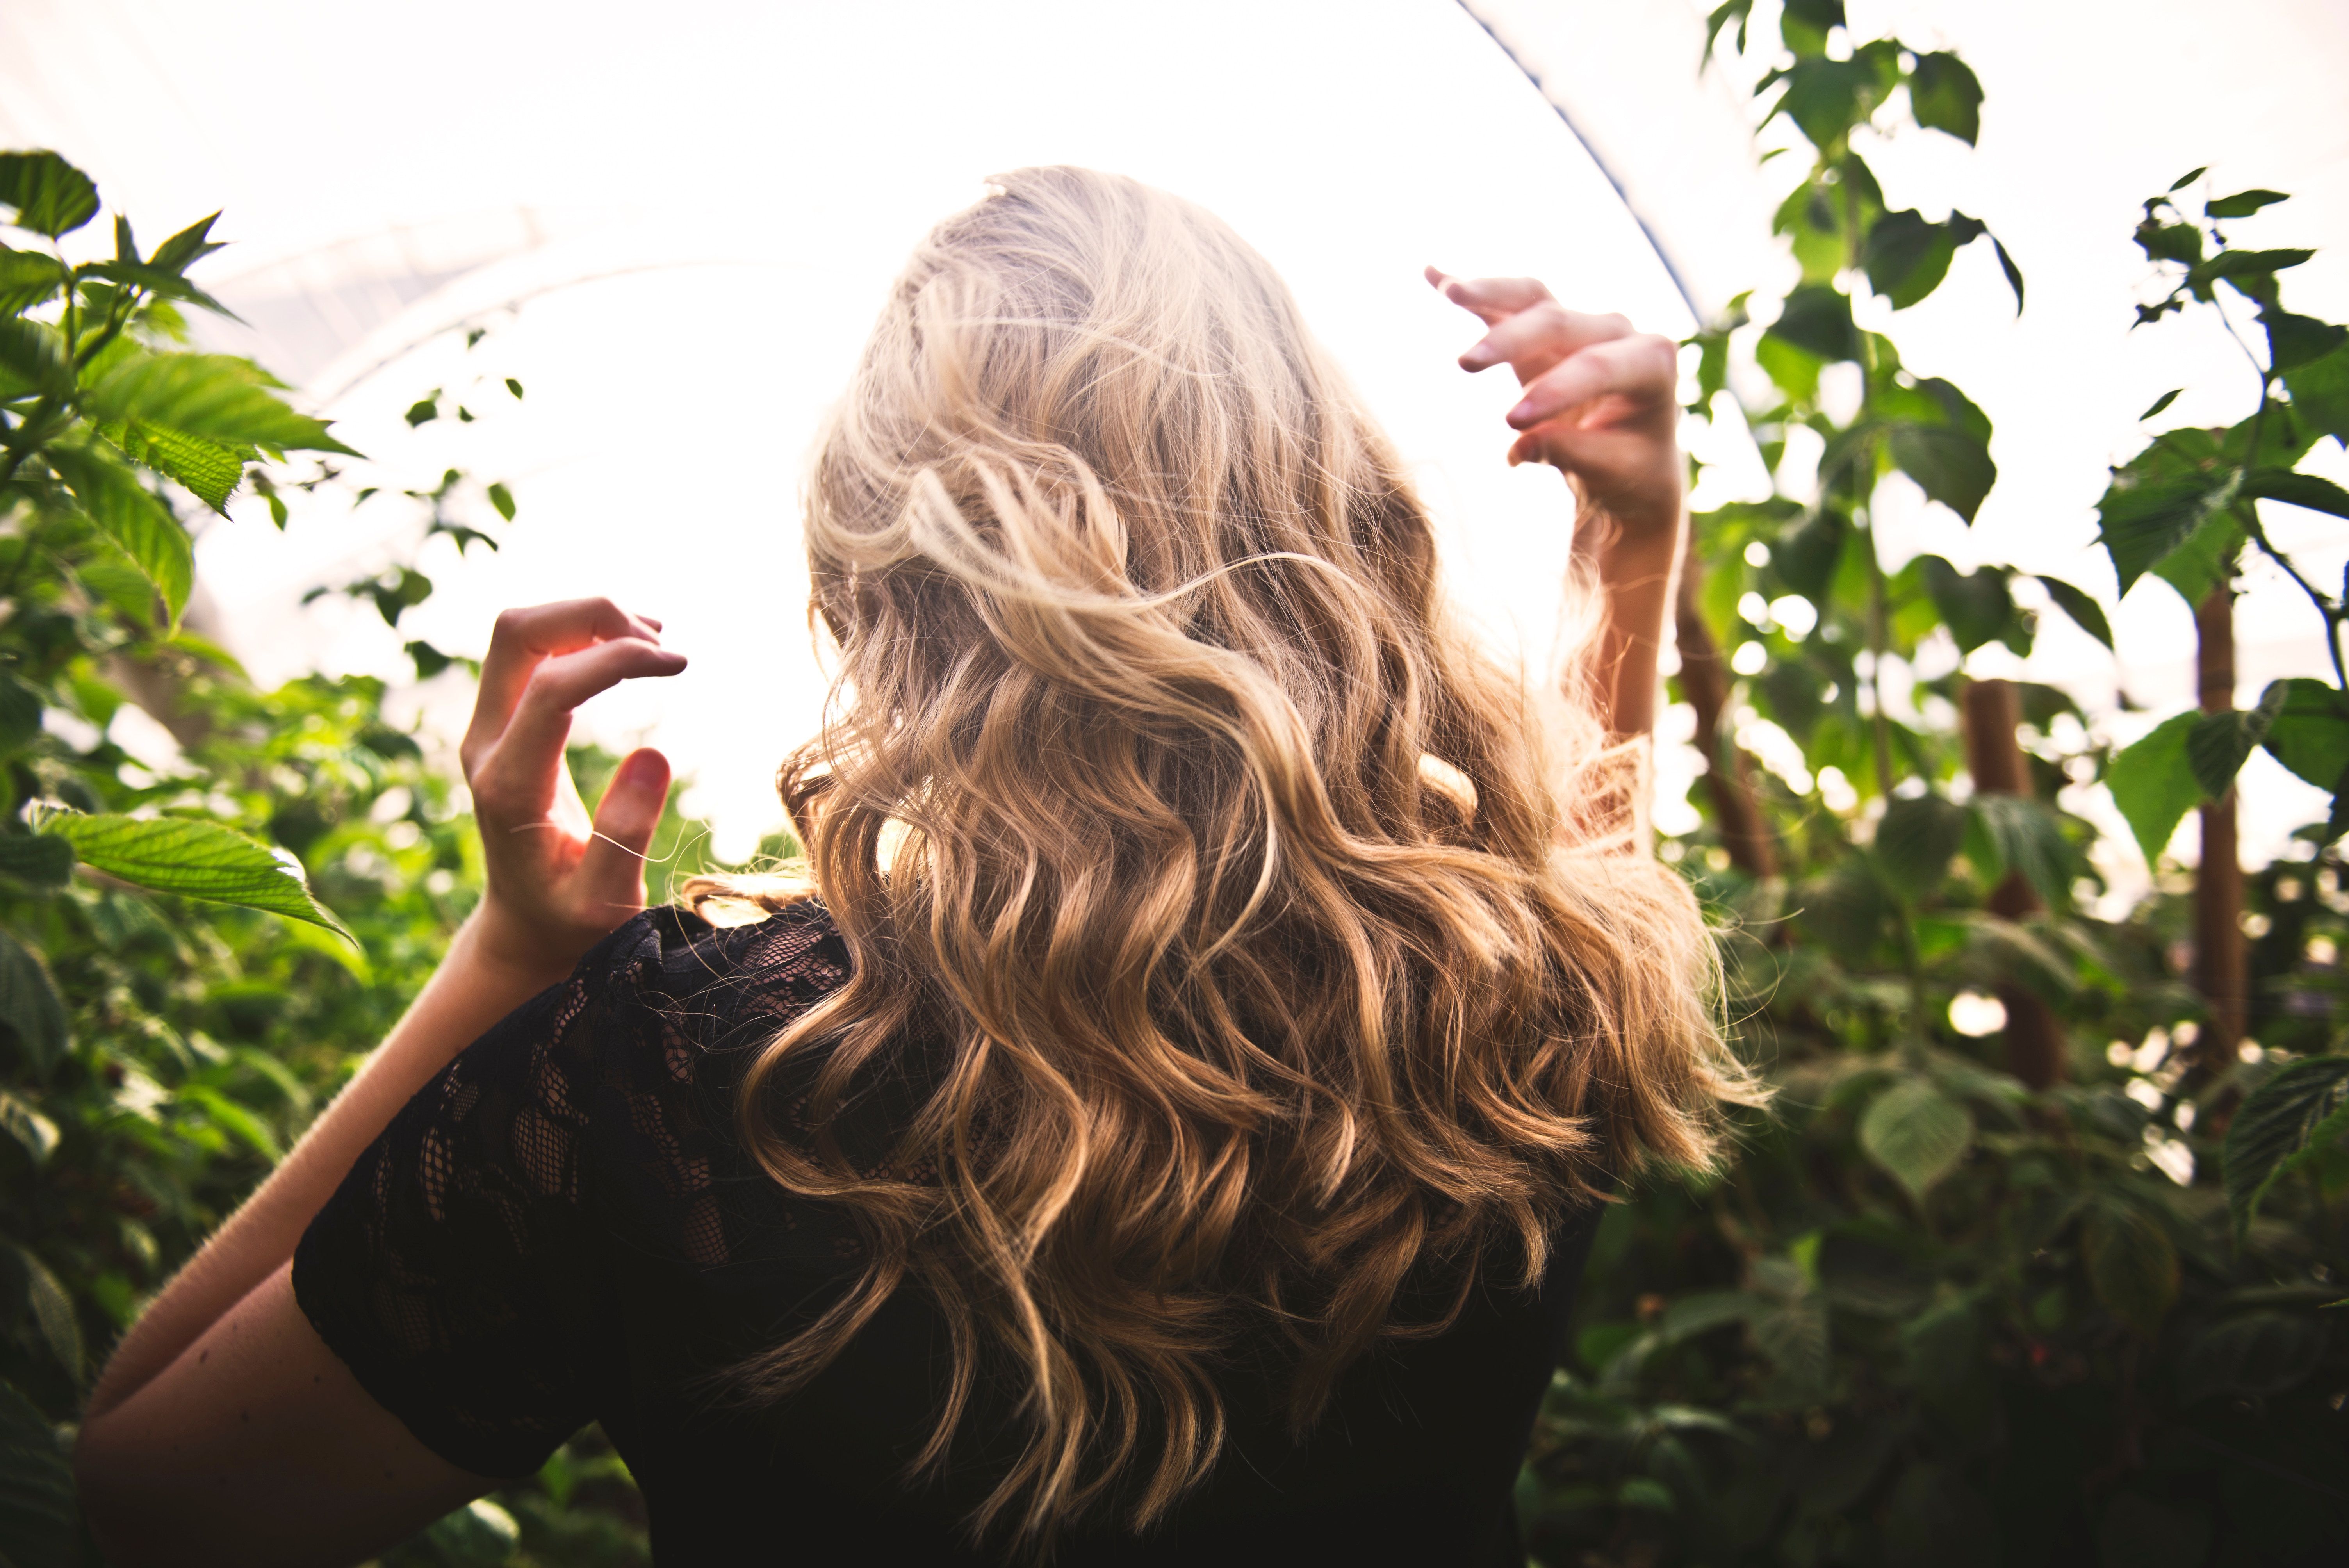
[(613, 865)]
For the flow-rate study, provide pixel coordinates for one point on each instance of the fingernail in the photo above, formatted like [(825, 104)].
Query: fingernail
[(1523, 414)]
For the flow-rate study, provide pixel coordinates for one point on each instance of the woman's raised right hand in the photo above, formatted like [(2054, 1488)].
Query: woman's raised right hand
[(558, 880)]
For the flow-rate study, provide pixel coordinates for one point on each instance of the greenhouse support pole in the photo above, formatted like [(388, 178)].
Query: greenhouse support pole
[(2034, 1040), (2220, 961)]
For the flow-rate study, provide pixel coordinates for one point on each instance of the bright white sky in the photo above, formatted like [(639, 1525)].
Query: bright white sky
[(739, 181)]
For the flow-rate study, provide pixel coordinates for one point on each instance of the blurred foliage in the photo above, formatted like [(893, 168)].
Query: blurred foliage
[(159, 1051), (2010, 1273)]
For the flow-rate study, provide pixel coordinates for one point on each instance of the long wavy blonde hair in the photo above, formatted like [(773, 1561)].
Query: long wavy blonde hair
[(1270, 954)]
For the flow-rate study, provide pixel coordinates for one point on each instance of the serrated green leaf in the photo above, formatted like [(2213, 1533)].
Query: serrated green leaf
[(2309, 734), (1945, 95), (2303, 1106), (195, 860), (33, 360), (155, 281), (2132, 1263), (2252, 274), (2220, 743), (1916, 1134), (214, 396), (134, 518), (27, 278), (1950, 465), (35, 1133), (233, 1120), (51, 196), (2085, 612), (210, 470), (2154, 786), (2206, 559), (38, 1514), (2242, 203), (29, 1005), (2145, 520)]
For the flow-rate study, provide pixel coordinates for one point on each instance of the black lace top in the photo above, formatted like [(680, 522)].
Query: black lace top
[(561, 1228)]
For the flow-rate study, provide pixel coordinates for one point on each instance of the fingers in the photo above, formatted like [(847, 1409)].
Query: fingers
[(1491, 298), (613, 868), (1539, 336), (542, 716), (523, 638), (1641, 370)]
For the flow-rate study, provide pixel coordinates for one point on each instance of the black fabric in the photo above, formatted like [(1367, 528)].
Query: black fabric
[(562, 1227)]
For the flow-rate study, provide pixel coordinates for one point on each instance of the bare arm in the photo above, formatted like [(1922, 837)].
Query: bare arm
[(223, 1428), (1600, 405)]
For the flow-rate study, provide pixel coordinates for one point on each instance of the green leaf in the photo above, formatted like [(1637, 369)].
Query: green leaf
[(29, 1005), (2220, 743), (1915, 840), (422, 411), (2154, 786), (1950, 466), (2161, 241), (2309, 734), (27, 278), (503, 499), (2320, 392), (478, 1535), (1825, 98), (162, 284), (51, 196), (2163, 401), (1794, 371), (39, 1518), (2022, 835), (195, 860), (2298, 339), (53, 1311), (2206, 559), (2302, 1109), (1816, 319), (20, 714), (514, 387), (188, 245), (215, 397), (1905, 257), (2145, 520), (233, 1120), (2245, 270), (2189, 178), (2013, 273), (35, 860), (2315, 493), (37, 1133), (2132, 1263), (134, 518), (2085, 612), (1806, 555), (210, 469), (33, 360), (1976, 605), (1916, 1134), (1944, 95), (2242, 203)]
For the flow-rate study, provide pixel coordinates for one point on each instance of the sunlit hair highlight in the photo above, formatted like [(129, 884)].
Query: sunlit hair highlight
[(1270, 968)]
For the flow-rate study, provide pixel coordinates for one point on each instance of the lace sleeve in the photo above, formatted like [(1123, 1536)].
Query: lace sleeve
[(450, 1270)]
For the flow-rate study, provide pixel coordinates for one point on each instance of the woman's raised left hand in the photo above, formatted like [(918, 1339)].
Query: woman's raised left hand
[(1601, 400), (558, 880)]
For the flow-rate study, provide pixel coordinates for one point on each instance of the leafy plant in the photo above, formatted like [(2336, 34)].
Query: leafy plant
[(1976, 1291)]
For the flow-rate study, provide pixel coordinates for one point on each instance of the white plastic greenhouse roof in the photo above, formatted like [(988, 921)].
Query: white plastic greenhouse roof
[(679, 220)]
